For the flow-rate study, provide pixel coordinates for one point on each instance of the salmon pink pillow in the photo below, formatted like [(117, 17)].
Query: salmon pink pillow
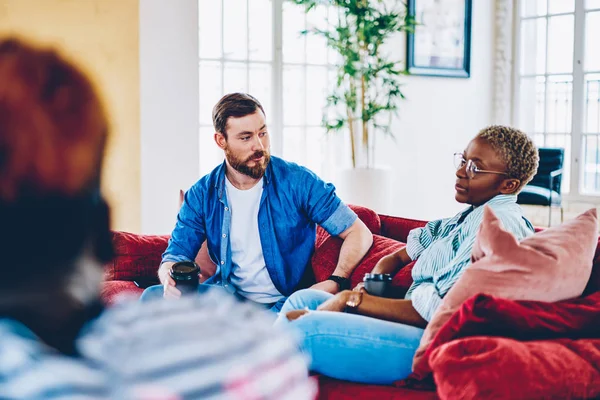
[(552, 265)]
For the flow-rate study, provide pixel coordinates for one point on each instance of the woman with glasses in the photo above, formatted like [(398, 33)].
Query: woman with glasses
[(374, 341)]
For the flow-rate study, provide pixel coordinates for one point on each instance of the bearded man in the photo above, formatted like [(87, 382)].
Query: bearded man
[(258, 215)]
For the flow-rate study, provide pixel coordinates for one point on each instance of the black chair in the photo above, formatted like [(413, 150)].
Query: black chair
[(544, 188)]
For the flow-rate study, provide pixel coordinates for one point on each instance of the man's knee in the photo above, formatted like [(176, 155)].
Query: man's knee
[(152, 293), (307, 298), (297, 300)]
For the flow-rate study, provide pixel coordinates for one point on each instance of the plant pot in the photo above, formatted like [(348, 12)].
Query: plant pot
[(368, 187)]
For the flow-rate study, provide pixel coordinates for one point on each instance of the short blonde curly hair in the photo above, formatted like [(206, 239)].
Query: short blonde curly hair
[(516, 150)]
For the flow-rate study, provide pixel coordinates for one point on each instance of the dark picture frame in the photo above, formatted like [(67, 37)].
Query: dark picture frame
[(441, 42)]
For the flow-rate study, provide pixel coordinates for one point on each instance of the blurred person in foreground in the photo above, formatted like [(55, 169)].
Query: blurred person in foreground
[(56, 339)]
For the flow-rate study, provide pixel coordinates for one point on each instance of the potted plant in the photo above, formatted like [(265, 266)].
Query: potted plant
[(368, 84)]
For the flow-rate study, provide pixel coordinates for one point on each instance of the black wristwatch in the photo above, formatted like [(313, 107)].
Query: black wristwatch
[(344, 283)]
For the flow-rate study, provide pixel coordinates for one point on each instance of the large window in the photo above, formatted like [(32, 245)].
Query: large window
[(558, 84), (255, 46)]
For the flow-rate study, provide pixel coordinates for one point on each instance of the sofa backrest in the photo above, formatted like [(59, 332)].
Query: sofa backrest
[(139, 255), (397, 228)]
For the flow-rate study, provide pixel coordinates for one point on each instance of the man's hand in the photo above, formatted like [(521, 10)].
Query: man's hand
[(170, 291), (327, 286), (337, 303)]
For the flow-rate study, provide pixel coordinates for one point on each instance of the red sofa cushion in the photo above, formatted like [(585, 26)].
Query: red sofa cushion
[(398, 228), (500, 368), (403, 279), (326, 255), (525, 320), (136, 256), (484, 315)]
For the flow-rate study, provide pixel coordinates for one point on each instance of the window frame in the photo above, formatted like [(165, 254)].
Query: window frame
[(278, 65), (576, 192)]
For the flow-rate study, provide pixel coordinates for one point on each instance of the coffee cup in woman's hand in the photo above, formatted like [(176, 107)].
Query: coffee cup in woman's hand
[(377, 284)]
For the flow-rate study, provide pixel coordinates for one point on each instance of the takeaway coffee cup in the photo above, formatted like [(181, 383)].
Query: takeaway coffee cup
[(377, 284), (186, 275)]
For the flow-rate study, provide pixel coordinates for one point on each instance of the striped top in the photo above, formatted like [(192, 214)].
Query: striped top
[(206, 347), (442, 249)]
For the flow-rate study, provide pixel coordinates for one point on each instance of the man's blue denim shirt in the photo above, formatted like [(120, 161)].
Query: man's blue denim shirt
[(293, 202)]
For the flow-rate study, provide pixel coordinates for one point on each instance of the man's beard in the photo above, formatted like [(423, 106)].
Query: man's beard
[(255, 172)]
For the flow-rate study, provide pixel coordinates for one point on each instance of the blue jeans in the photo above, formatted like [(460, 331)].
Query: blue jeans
[(352, 347), (156, 292)]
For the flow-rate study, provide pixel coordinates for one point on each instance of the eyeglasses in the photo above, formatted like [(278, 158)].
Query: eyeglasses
[(471, 169)]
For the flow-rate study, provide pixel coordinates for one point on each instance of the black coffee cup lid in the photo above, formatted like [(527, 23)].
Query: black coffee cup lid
[(377, 277), (185, 270)]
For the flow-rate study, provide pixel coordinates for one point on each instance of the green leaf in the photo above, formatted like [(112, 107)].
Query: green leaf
[(357, 36)]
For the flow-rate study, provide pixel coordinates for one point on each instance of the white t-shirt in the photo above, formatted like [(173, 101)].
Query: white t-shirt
[(249, 274)]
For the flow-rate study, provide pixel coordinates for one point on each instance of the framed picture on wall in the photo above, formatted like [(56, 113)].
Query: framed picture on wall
[(441, 42)]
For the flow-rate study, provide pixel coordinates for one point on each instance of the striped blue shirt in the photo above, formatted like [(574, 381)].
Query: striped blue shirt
[(442, 249), (209, 347)]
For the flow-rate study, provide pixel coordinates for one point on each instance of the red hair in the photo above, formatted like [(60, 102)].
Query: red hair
[(53, 126)]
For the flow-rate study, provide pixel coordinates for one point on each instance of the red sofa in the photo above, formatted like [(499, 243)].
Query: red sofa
[(138, 256)]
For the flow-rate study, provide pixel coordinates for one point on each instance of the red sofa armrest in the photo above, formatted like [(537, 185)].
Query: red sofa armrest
[(136, 256), (139, 256)]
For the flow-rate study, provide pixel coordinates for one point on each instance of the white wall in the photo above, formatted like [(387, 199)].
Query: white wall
[(169, 108), (439, 118)]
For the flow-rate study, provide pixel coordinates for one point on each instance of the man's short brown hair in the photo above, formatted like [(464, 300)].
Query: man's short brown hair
[(234, 105)]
